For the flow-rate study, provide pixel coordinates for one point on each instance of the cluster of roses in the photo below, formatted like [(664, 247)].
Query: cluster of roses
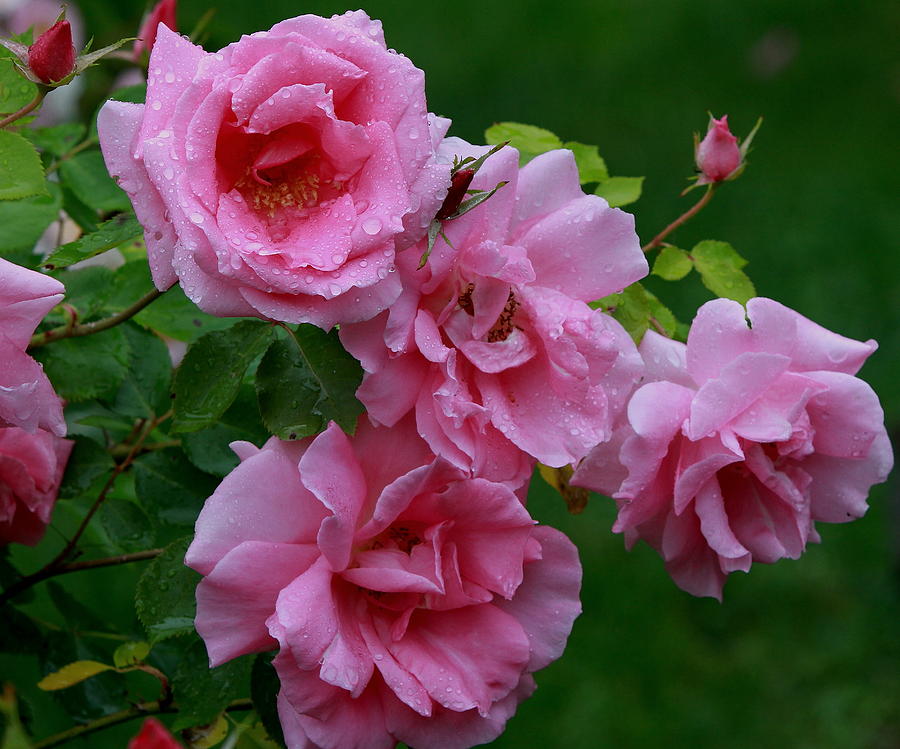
[(297, 176)]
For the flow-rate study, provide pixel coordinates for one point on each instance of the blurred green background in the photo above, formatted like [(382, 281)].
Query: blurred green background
[(800, 654)]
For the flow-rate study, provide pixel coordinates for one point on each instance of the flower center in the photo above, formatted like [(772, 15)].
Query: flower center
[(505, 324)]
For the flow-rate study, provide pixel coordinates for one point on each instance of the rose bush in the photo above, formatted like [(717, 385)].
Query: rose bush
[(409, 602), (741, 441), (31, 468), (275, 177), (27, 398), (492, 343)]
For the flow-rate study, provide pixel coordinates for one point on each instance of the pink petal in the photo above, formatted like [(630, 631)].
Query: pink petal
[(665, 359), (329, 469), (25, 298), (236, 598), (27, 399), (719, 334), (546, 184), (551, 584), (847, 417)]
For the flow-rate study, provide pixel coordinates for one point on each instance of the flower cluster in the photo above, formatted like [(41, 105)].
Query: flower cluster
[(297, 176)]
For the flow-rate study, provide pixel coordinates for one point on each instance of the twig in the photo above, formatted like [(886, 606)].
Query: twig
[(33, 104), (684, 217), (86, 143), (87, 328), (123, 716)]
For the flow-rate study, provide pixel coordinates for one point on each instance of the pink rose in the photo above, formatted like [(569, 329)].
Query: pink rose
[(409, 602), (164, 12), (31, 468), (273, 178), (741, 441), (492, 343), (27, 398)]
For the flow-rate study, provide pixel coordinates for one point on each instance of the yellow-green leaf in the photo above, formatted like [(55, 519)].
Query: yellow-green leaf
[(129, 653), (72, 674)]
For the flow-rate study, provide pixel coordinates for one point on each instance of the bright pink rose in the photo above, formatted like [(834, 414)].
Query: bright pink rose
[(31, 468), (153, 735), (164, 12), (740, 441), (492, 343), (718, 155), (410, 602), (27, 398), (273, 178)]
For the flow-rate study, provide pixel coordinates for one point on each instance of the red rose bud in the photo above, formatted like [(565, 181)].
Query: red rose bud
[(153, 735), (459, 183), (52, 57), (718, 154), (163, 12)]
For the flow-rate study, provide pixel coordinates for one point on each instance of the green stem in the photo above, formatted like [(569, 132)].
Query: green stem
[(683, 218), (88, 328), (123, 716), (86, 143), (120, 450), (29, 107)]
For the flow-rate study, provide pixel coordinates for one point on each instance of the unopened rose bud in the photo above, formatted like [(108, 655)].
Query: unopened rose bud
[(718, 155), (163, 12), (459, 183), (52, 57)]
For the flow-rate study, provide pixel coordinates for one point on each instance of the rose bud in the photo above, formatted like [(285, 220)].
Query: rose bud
[(153, 735), (163, 12), (52, 57), (718, 155), (459, 183)]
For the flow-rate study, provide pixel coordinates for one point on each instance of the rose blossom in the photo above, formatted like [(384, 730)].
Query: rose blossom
[(741, 441), (409, 602), (27, 398), (718, 155), (274, 177), (31, 468), (492, 343)]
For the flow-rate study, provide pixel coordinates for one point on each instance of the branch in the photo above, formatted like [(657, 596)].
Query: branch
[(123, 716), (29, 107), (683, 218), (88, 328)]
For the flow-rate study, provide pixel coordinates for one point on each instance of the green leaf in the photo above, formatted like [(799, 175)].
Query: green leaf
[(83, 215), (169, 488), (264, 686), (630, 307), (22, 222), (619, 191), (72, 674), (127, 525), (305, 382), (208, 449), (88, 461), (117, 231), (662, 314), (76, 615), (58, 139), (203, 692), (200, 397), (86, 289), (145, 389), (719, 266), (591, 166), (21, 172), (531, 141), (86, 175), (672, 264), (129, 653), (15, 90), (164, 598), (87, 367), (18, 632)]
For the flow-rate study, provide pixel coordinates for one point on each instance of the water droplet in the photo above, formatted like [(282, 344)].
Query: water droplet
[(371, 226), (156, 106), (170, 77), (197, 218)]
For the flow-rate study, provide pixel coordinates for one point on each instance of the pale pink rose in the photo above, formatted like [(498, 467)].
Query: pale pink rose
[(27, 398), (741, 441), (409, 602), (492, 343), (273, 178), (718, 155), (31, 468)]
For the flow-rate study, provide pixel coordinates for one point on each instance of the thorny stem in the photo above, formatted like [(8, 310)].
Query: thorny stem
[(683, 218), (29, 107), (72, 331), (123, 716), (60, 563)]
